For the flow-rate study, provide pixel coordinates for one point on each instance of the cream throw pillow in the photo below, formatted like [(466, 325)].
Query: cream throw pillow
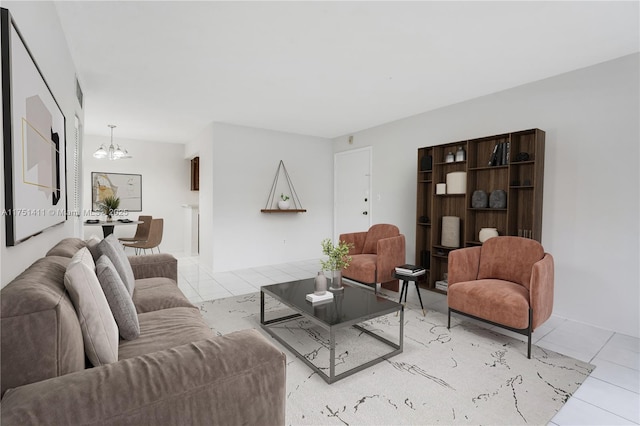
[(99, 328)]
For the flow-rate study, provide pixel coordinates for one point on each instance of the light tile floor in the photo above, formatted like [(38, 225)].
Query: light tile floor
[(610, 396)]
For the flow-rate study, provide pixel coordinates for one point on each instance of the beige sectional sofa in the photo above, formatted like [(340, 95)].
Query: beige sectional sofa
[(176, 372)]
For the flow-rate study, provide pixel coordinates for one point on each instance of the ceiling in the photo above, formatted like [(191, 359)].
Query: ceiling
[(162, 70)]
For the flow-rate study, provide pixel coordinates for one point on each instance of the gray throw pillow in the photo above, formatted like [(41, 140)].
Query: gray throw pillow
[(99, 328), (120, 302), (111, 247)]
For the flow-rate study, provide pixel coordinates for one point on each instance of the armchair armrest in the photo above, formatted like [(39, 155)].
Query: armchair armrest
[(391, 252), (154, 265), (238, 378), (463, 264), (541, 289), (355, 238)]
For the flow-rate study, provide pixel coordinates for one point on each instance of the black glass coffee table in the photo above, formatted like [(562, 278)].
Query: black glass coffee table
[(349, 307)]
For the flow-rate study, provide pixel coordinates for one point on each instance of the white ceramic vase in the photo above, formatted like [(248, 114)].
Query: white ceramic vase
[(486, 233), (283, 205)]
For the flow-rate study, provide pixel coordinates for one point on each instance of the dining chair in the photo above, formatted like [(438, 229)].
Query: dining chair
[(154, 240), (142, 231)]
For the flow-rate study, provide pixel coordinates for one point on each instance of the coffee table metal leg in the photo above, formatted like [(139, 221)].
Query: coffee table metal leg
[(332, 354)]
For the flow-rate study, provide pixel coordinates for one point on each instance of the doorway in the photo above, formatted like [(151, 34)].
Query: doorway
[(352, 191)]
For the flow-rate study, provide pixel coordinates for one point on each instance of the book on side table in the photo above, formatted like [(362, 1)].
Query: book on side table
[(411, 270)]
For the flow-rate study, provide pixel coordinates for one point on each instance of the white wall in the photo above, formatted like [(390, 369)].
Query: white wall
[(243, 162), (39, 25), (165, 184), (591, 191)]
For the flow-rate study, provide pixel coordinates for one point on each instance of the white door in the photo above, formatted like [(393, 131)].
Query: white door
[(352, 191)]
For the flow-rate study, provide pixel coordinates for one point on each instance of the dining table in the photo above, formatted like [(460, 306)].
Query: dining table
[(108, 226)]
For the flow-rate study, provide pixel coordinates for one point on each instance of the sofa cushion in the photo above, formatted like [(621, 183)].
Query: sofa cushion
[(153, 294), (509, 259), (66, 247), (119, 299), (41, 336), (91, 243), (110, 246), (99, 329), (165, 329)]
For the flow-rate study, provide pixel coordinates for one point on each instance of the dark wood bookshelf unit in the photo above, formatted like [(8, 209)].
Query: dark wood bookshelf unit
[(511, 162)]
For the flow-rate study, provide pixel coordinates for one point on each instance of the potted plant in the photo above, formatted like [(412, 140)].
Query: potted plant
[(283, 203), (109, 205), (338, 259)]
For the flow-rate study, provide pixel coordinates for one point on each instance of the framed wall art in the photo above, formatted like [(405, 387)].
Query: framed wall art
[(34, 142), (124, 186)]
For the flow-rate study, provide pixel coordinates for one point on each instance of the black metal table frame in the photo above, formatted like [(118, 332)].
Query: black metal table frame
[(332, 377)]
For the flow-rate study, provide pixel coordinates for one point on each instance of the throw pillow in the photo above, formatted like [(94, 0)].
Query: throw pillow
[(99, 329), (111, 247), (119, 299)]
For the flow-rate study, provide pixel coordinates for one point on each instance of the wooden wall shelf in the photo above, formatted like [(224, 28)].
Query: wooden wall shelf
[(283, 211)]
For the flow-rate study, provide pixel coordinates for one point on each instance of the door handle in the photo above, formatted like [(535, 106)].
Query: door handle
[(365, 213)]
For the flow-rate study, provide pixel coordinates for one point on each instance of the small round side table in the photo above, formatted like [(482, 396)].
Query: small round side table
[(405, 287)]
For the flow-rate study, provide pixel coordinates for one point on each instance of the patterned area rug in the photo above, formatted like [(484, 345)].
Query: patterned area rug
[(465, 375)]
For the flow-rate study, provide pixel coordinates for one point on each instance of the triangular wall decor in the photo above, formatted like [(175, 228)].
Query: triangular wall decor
[(270, 207)]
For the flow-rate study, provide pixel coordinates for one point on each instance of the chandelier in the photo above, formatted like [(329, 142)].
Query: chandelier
[(111, 153)]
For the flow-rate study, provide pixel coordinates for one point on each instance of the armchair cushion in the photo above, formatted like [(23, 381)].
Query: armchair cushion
[(500, 301), (362, 266), (376, 233), (509, 259)]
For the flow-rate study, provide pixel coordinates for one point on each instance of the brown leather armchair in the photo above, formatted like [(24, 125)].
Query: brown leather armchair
[(507, 282), (375, 254)]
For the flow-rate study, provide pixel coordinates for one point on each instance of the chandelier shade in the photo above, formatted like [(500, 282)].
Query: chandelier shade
[(111, 153)]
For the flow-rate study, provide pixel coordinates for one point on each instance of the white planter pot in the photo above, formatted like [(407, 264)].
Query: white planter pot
[(283, 205)]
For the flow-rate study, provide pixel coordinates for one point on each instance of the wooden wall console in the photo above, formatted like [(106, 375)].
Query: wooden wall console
[(510, 162)]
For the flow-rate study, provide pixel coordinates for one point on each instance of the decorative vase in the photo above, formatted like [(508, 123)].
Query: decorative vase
[(450, 231), (486, 233), (498, 199), (321, 284), (283, 205), (449, 158), (479, 199), (461, 155), (336, 281)]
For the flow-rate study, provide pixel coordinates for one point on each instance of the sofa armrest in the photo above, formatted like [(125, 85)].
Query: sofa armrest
[(355, 238), (541, 289), (463, 264), (234, 379), (391, 252), (154, 265)]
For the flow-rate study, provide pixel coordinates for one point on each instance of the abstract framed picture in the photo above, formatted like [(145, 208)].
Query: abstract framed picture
[(34, 140), (124, 186)]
